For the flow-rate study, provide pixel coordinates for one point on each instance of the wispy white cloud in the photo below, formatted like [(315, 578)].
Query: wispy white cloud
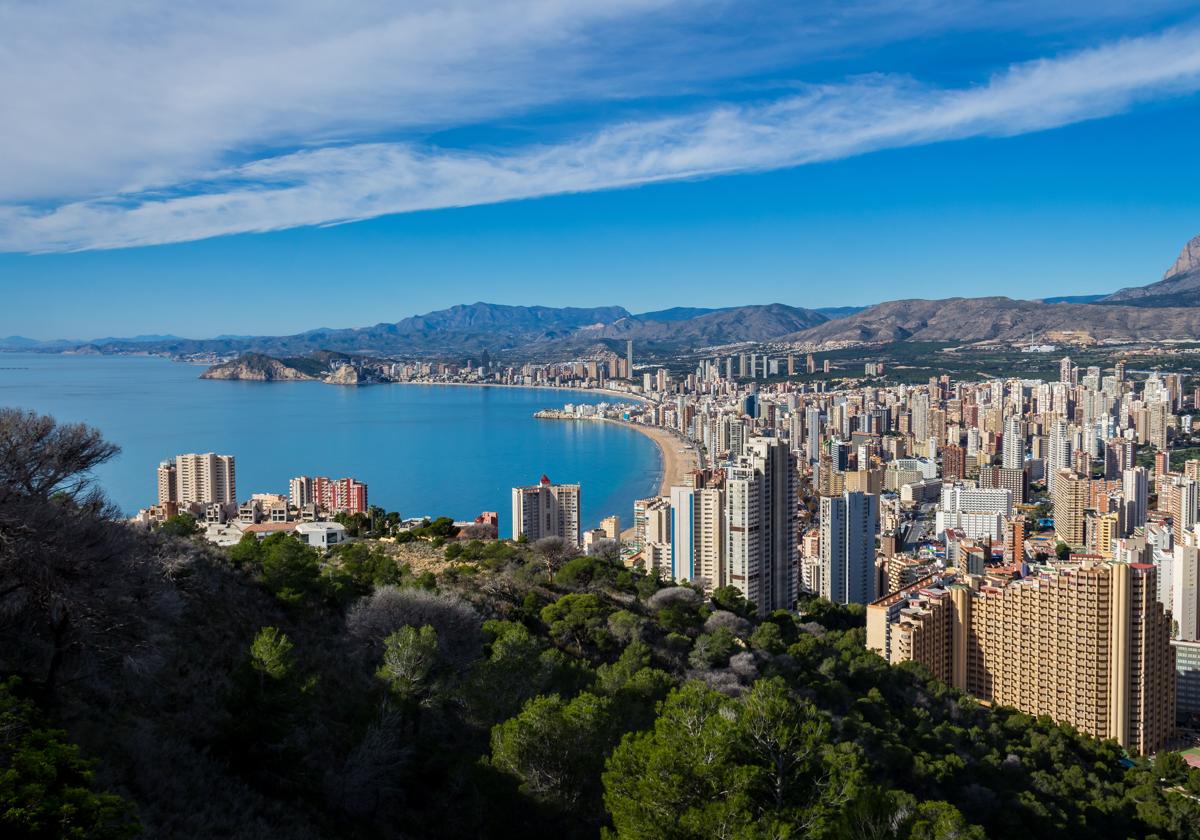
[(158, 174)]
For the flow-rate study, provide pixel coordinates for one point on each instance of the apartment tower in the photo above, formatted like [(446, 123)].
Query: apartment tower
[(1087, 644), (546, 510), (204, 479)]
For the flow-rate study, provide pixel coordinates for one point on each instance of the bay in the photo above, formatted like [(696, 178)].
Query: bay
[(422, 449)]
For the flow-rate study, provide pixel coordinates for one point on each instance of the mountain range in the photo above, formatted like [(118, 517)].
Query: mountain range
[(1163, 310)]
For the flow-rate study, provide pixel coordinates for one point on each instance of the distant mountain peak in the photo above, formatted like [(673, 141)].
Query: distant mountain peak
[(1189, 259)]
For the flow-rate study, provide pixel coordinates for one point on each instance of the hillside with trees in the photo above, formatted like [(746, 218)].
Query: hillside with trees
[(151, 683)]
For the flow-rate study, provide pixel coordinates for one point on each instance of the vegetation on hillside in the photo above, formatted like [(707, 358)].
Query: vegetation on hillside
[(268, 690)]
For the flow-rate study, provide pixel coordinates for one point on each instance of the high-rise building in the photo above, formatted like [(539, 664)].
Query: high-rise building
[(1014, 539), (1086, 644), (546, 510), (1118, 457), (976, 512), (1185, 592), (629, 359), (1014, 481), (760, 524), (205, 479), (1059, 454), (1071, 496), (1136, 492), (300, 491), (848, 526), (1014, 444), (697, 535), (342, 495), (168, 490), (611, 525), (1183, 503), (954, 461)]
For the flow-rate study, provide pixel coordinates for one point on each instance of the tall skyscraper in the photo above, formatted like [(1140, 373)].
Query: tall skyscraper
[(1065, 370), (1059, 454), (1087, 644), (1014, 444), (697, 535), (546, 510), (1136, 491), (1071, 497), (205, 479), (1183, 503), (1185, 592), (629, 359), (812, 433), (760, 524), (848, 526)]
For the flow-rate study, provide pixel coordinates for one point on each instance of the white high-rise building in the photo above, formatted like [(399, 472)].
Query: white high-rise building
[(977, 512), (546, 510), (848, 526), (1185, 592), (205, 479), (1014, 444), (760, 524), (1059, 451)]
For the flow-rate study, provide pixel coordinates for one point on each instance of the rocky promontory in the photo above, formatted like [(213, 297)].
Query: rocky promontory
[(345, 375), (256, 367)]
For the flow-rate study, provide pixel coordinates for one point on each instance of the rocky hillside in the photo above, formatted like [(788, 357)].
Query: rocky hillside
[(1004, 319), (256, 367)]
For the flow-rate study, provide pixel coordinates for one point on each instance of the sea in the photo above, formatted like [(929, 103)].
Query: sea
[(423, 450)]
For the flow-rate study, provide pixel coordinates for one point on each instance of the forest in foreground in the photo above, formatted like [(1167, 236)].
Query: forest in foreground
[(154, 685)]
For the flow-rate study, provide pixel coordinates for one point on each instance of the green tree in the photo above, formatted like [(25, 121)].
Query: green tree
[(712, 650), (409, 656), (762, 767), (290, 569), (272, 654), (730, 598), (556, 748), (247, 553), (46, 785), (577, 621), (768, 637), (180, 525)]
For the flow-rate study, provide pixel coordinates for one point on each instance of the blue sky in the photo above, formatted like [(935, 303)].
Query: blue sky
[(268, 168)]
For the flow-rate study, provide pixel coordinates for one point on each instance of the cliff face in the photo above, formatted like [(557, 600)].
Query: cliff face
[(345, 375), (255, 367), (1180, 285)]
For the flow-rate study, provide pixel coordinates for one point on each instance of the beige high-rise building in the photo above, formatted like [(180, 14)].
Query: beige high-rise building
[(204, 479), (1071, 497), (611, 525), (546, 510), (168, 490), (1087, 644)]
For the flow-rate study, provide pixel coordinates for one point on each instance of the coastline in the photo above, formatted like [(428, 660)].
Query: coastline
[(625, 395), (676, 465)]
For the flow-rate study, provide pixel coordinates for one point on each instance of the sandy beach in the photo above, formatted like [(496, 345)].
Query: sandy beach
[(676, 464), (624, 395)]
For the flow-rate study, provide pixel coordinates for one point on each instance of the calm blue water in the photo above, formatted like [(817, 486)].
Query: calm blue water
[(422, 449)]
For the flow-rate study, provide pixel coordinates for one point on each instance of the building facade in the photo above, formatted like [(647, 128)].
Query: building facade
[(1087, 644)]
